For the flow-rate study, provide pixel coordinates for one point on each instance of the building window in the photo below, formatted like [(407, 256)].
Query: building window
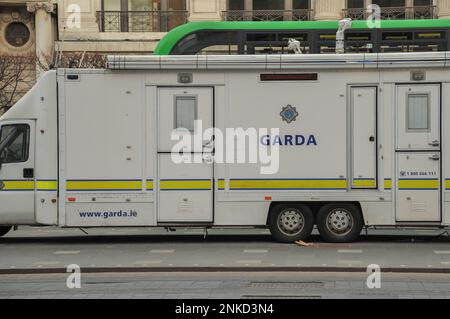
[(268, 4), (17, 34), (423, 2), (142, 15), (236, 5), (355, 4), (389, 3), (301, 4)]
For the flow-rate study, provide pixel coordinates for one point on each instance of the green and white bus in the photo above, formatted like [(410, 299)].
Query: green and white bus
[(316, 37)]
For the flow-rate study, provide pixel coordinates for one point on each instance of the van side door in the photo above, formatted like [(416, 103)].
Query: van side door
[(17, 178)]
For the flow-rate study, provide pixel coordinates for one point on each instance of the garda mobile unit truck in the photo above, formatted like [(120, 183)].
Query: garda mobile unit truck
[(362, 140)]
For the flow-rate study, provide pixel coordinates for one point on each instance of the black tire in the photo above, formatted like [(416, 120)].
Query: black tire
[(298, 220), (4, 230), (344, 226)]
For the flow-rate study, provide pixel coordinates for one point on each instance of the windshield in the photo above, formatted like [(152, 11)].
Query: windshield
[(14, 143)]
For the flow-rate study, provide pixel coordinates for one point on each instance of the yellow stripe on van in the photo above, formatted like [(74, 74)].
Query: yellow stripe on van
[(24, 185), (167, 185), (112, 185), (425, 184), (325, 184), (447, 184), (221, 184), (47, 185), (364, 183), (388, 183), (149, 185)]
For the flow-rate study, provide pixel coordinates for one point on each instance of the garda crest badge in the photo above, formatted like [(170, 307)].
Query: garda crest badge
[(289, 114)]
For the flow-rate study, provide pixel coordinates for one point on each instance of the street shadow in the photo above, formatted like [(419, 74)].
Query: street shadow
[(187, 239)]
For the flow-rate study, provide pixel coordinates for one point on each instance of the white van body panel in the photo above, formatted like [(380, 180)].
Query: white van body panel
[(102, 156)]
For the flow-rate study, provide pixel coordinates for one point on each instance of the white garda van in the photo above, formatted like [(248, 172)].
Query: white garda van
[(279, 141)]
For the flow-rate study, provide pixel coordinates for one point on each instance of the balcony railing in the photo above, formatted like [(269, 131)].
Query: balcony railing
[(268, 15), (140, 21), (394, 13)]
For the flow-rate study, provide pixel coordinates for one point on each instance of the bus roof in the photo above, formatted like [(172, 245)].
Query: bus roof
[(166, 45)]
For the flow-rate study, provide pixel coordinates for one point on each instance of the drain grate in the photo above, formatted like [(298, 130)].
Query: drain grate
[(287, 285)]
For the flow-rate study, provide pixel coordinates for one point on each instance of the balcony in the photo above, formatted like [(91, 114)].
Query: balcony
[(140, 21), (394, 13), (268, 15)]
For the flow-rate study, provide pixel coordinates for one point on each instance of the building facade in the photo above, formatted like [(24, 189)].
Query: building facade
[(137, 25)]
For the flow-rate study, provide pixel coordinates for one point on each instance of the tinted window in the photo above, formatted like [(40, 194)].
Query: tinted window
[(14, 143)]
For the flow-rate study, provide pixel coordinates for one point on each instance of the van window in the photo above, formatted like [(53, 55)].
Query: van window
[(14, 143), (418, 112), (185, 112)]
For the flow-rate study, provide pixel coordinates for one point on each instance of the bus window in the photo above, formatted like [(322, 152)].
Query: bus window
[(358, 47), (284, 37), (258, 37), (327, 49), (220, 49), (397, 36)]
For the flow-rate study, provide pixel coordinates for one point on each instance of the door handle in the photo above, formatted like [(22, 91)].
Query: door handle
[(435, 157), (435, 143), (28, 173)]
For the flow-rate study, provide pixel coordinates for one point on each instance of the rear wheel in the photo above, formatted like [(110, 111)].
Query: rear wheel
[(4, 230), (291, 222), (339, 222)]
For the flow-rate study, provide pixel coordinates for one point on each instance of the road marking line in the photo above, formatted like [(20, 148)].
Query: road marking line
[(248, 261), (46, 263), (445, 262), (256, 251), (148, 262), (67, 252), (349, 262), (442, 252), (350, 251), (162, 251)]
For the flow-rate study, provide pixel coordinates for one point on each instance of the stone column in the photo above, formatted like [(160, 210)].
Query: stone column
[(328, 9), (44, 33), (201, 10), (443, 8), (288, 7), (248, 8)]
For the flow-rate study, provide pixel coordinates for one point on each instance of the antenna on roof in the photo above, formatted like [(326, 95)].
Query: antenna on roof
[(344, 25)]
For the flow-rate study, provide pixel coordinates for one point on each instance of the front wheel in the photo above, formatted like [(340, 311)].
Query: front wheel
[(4, 230), (291, 222), (339, 222)]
